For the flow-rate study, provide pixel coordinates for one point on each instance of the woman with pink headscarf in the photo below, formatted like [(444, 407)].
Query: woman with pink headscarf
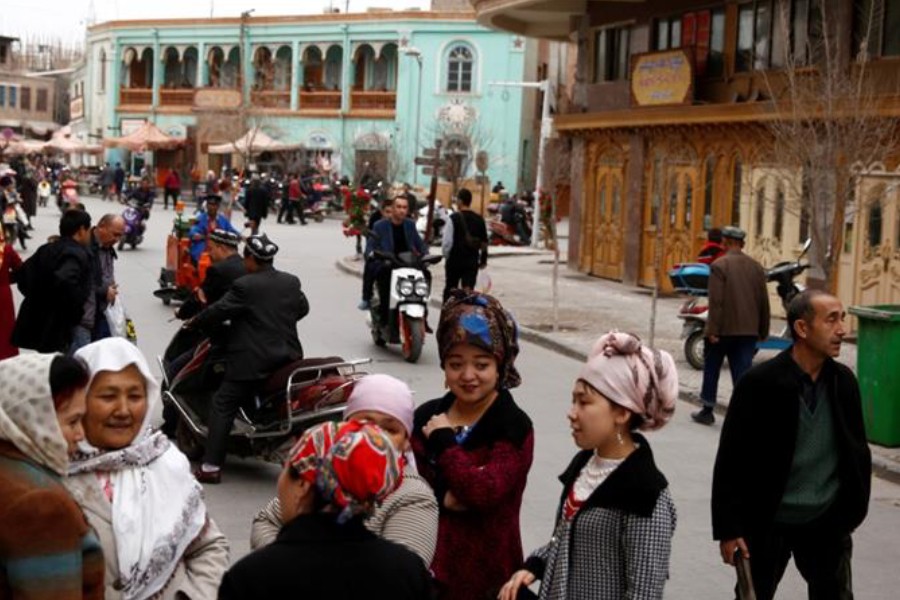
[(616, 518)]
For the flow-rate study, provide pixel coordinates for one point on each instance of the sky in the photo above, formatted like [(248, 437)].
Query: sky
[(65, 19)]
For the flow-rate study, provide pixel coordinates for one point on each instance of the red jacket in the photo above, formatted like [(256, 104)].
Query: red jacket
[(173, 182), (479, 548)]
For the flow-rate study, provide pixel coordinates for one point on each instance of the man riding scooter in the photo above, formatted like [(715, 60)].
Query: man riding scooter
[(207, 222), (264, 307)]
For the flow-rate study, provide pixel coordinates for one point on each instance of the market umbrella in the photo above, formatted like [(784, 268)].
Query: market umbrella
[(253, 142), (147, 137), (25, 146)]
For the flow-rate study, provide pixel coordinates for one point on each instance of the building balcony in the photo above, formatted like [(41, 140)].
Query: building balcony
[(135, 96), (548, 19), (320, 100), (272, 99), (373, 101), (176, 97)]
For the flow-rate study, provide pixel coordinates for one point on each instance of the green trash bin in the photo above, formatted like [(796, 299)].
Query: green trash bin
[(877, 362)]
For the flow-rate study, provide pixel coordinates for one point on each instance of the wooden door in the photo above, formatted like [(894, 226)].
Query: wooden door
[(673, 219), (605, 239), (878, 247)]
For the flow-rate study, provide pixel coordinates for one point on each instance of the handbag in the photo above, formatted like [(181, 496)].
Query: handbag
[(471, 242)]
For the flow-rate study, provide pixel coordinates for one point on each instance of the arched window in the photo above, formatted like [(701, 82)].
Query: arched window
[(460, 68), (736, 178), (760, 209), (102, 75), (778, 225)]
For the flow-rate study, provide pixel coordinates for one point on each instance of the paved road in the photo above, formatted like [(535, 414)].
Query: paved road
[(334, 326)]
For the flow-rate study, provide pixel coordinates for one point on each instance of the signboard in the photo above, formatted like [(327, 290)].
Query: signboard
[(128, 126), (176, 131), (430, 172), (76, 108), (662, 78), (217, 99)]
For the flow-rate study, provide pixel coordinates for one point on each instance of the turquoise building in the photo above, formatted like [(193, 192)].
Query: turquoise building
[(357, 92)]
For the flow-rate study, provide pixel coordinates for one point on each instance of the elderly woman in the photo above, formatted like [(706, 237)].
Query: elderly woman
[(47, 549), (137, 489), (616, 517), (474, 446), (334, 476), (409, 514)]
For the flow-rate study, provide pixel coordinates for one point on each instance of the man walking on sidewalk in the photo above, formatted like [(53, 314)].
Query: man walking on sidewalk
[(793, 470), (464, 246), (738, 317)]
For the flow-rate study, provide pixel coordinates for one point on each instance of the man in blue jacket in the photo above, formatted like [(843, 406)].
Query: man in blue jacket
[(207, 223)]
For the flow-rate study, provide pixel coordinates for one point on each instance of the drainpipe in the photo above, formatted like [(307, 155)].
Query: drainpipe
[(296, 76), (157, 73), (345, 92)]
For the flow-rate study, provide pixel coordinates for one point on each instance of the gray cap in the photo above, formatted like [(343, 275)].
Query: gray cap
[(225, 237), (734, 233), (261, 247)]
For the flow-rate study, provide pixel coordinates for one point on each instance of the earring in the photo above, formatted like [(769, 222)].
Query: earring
[(619, 438)]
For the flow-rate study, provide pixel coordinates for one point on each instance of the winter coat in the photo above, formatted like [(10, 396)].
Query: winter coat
[(618, 543), (738, 298), (478, 548), (42, 530), (756, 448), (408, 516), (316, 557), (55, 282), (197, 575)]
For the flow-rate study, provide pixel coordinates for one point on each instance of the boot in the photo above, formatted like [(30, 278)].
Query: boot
[(704, 416)]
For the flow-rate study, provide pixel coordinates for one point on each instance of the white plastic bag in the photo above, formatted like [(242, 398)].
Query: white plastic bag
[(483, 283), (116, 317)]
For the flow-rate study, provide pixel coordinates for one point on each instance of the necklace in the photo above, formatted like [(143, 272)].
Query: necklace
[(594, 472)]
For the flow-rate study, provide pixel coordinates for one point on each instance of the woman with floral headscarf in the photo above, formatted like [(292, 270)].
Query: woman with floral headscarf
[(136, 488), (335, 475), (475, 446), (47, 549), (409, 514), (616, 517)]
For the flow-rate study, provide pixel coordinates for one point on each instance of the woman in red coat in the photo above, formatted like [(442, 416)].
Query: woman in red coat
[(10, 262), (475, 447)]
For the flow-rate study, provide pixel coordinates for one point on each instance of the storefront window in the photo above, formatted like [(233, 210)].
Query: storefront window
[(736, 176), (874, 222), (778, 225), (612, 54), (708, 192), (760, 210)]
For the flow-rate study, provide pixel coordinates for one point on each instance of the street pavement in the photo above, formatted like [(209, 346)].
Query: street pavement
[(684, 451)]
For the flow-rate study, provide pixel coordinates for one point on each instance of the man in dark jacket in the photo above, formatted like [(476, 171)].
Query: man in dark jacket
[(119, 178), (738, 318), (464, 245), (55, 282), (258, 198), (793, 470), (102, 252), (263, 307)]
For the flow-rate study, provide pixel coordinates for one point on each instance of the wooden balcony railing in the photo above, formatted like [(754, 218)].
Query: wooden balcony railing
[(136, 96), (366, 100), (176, 97), (271, 99), (320, 100)]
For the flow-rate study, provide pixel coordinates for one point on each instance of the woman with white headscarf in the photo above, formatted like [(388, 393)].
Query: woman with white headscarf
[(47, 549), (616, 518), (137, 489)]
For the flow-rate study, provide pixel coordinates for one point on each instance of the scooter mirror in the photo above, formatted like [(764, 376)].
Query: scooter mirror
[(806, 246)]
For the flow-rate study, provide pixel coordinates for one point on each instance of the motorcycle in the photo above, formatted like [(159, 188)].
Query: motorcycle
[(409, 294), (134, 215), (693, 278), (504, 234), (297, 396)]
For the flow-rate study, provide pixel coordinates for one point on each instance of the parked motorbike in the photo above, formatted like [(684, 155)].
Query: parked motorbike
[(438, 222), (505, 234), (693, 279), (134, 215), (297, 396), (409, 294)]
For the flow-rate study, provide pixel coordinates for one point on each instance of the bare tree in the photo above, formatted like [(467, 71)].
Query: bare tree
[(557, 163), (827, 122), (461, 143)]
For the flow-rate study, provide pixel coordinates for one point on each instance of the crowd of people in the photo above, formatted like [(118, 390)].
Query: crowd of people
[(398, 500)]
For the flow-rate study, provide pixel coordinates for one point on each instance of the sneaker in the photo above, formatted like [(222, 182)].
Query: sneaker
[(704, 416), (210, 477), (363, 305)]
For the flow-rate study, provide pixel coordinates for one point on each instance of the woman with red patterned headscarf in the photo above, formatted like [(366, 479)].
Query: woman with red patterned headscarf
[(333, 478)]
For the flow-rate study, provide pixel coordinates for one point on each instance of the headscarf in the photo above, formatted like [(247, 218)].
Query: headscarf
[(353, 465), (27, 415), (641, 379), (479, 319), (157, 506), (388, 395)]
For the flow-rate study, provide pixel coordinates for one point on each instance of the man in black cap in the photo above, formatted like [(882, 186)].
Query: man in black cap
[(738, 318), (263, 307)]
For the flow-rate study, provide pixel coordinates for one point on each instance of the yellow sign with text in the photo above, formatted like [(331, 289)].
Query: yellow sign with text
[(661, 78)]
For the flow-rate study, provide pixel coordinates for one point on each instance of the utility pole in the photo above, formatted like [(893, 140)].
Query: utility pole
[(417, 54), (546, 130)]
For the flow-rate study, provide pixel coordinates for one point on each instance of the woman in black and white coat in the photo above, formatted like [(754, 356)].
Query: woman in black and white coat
[(614, 526)]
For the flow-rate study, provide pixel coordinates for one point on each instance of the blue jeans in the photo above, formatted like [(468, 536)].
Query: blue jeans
[(81, 336), (739, 349)]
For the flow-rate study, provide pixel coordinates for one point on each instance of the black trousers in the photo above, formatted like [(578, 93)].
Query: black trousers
[(459, 275), (821, 554), (225, 404), (173, 193)]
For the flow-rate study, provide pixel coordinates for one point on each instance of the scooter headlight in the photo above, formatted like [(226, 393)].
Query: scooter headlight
[(422, 288), (405, 287)]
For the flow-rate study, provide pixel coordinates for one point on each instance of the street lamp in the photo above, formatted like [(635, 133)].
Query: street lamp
[(417, 54)]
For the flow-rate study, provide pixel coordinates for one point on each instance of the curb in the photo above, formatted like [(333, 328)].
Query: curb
[(882, 467)]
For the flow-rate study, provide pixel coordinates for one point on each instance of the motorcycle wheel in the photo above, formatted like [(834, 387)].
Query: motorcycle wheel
[(694, 347), (319, 217), (413, 334), (187, 442), (121, 245)]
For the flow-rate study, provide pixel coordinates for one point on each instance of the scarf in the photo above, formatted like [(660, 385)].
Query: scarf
[(157, 506), (27, 414)]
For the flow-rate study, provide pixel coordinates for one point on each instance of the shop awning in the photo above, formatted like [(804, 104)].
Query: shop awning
[(253, 142), (147, 137)]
